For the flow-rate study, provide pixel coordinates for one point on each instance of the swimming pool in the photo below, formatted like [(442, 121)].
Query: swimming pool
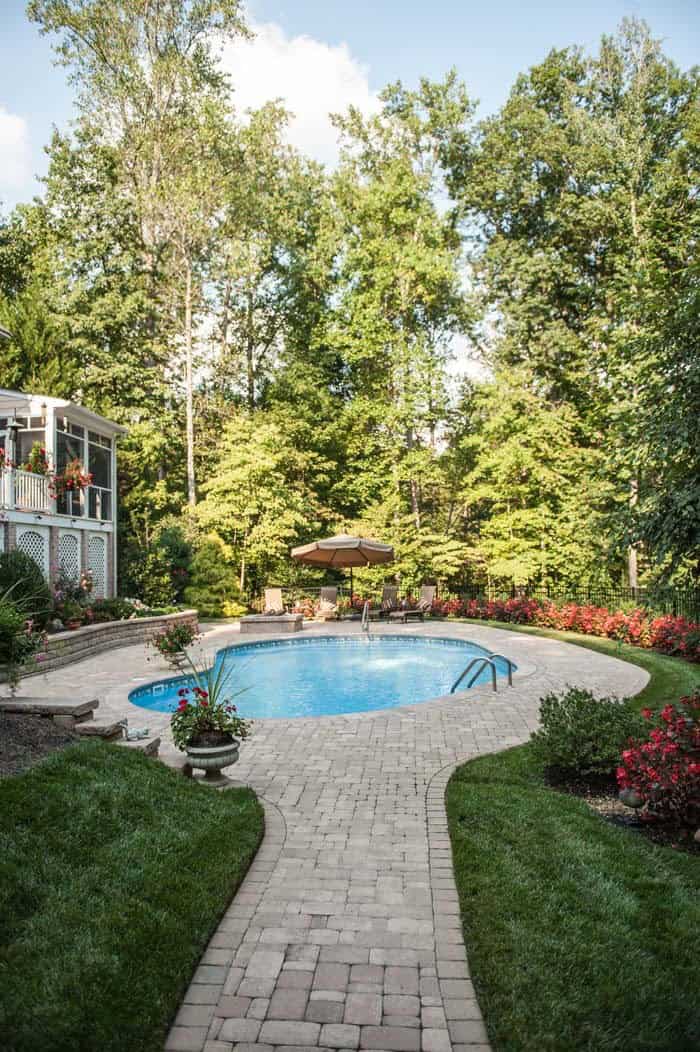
[(331, 675)]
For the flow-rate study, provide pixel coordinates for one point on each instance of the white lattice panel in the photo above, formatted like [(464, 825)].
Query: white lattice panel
[(69, 554), (34, 540), (97, 563)]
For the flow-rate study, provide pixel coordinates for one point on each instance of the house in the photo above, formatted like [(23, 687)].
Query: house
[(67, 528)]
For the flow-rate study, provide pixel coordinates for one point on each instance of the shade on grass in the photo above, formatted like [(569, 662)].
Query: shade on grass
[(581, 937), (114, 872)]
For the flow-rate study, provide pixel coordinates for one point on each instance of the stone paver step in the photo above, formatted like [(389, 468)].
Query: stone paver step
[(149, 746), (99, 729), (49, 706)]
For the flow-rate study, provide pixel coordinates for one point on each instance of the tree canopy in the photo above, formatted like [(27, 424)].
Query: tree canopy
[(288, 345)]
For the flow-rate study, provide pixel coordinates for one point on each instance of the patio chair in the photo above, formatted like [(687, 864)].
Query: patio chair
[(418, 612), (328, 602), (273, 601), (389, 603)]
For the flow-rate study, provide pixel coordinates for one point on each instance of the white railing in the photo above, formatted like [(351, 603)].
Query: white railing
[(24, 490)]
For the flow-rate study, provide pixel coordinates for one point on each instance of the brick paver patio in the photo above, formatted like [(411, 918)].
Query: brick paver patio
[(346, 933)]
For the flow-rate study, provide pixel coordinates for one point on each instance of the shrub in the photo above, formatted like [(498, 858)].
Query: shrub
[(114, 609), (19, 641), (213, 586), (581, 735), (663, 772), (636, 626), (23, 582)]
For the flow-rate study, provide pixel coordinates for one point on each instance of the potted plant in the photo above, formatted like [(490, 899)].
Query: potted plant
[(206, 725), (71, 614), (172, 641)]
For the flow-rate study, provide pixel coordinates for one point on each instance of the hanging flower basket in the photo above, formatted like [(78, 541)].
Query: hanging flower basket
[(72, 479), (37, 462)]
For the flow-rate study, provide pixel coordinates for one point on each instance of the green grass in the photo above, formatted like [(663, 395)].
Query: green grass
[(671, 677), (114, 872), (582, 937)]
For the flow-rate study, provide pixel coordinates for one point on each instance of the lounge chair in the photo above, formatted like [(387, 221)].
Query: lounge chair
[(328, 602), (418, 612), (273, 601), (389, 603)]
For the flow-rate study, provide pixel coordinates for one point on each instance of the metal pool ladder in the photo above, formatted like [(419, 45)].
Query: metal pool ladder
[(365, 618), (487, 661)]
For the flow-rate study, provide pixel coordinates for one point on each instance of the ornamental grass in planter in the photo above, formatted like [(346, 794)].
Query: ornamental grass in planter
[(206, 724)]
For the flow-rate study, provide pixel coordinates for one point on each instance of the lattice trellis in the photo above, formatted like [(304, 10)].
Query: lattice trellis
[(97, 561), (37, 545), (69, 555)]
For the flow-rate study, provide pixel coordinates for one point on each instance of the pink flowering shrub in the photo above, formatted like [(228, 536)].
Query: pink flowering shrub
[(639, 628), (663, 772)]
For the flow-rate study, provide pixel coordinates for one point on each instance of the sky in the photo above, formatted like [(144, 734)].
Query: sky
[(322, 55)]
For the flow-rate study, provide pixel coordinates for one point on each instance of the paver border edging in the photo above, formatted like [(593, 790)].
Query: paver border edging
[(465, 1021), (202, 989)]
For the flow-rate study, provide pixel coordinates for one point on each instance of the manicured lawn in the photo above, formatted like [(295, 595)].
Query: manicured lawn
[(114, 872), (580, 936)]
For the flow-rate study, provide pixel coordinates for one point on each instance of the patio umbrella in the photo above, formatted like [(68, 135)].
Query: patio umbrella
[(344, 551)]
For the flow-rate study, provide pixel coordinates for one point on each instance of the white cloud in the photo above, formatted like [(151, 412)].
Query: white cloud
[(15, 153), (311, 78)]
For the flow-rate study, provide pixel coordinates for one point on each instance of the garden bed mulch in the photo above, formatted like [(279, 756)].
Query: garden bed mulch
[(25, 740), (601, 795)]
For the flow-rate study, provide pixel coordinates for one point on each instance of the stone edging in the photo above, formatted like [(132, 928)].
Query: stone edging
[(464, 1019), (64, 648), (213, 981)]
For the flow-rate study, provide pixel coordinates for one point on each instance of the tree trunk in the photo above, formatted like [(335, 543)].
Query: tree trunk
[(632, 551), (249, 356), (191, 489), (241, 581)]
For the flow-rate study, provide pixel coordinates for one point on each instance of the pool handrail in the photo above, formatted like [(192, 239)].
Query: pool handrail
[(483, 661)]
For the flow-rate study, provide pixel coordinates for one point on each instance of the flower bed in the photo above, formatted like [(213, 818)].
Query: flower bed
[(638, 627)]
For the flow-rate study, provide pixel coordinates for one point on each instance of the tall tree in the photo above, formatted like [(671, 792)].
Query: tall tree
[(569, 189), (399, 297)]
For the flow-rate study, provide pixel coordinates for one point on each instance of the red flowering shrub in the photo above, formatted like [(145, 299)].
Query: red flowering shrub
[(675, 635), (670, 635), (664, 771)]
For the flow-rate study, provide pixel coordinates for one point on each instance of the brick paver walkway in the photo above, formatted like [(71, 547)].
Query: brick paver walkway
[(345, 933)]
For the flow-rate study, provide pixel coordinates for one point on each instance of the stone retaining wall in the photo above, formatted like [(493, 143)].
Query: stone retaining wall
[(65, 648)]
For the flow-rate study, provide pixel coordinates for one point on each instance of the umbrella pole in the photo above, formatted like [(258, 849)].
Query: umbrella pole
[(351, 589)]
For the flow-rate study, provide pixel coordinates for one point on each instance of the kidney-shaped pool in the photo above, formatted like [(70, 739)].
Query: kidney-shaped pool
[(332, 675)]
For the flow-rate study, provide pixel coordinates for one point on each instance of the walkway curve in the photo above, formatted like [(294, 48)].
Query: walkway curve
[(346, 932)]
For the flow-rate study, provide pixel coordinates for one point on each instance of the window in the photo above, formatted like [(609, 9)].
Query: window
[(94, 451), (100, 467), (69, 447)]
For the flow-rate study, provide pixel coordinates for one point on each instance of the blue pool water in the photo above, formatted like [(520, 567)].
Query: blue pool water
[(331, 675)]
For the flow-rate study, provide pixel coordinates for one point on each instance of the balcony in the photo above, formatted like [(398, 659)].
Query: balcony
[(24, 491), (29, 492)]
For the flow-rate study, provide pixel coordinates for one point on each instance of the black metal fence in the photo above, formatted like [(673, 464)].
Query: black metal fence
[(679, 602)]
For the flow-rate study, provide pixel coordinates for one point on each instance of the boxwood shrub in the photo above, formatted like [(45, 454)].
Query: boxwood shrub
[(583, 736)]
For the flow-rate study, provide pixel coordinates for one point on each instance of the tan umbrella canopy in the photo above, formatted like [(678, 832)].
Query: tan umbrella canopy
[(344, 551)]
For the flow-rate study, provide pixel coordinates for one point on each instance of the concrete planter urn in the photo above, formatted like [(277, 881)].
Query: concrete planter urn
[(212, 759)]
